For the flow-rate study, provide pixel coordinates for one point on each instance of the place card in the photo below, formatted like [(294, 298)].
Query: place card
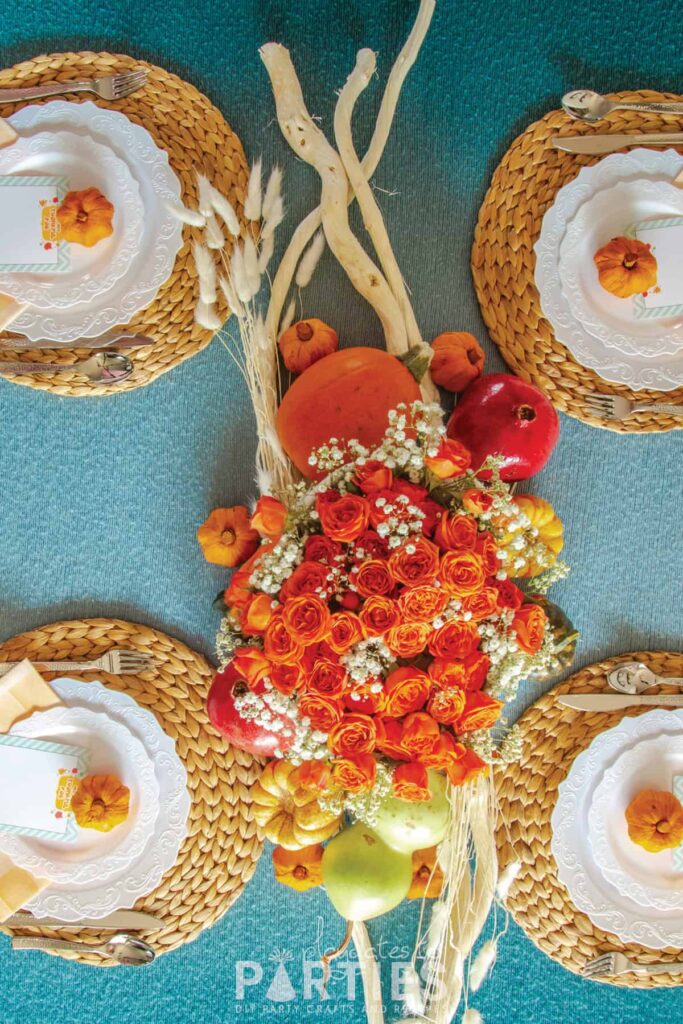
[(39, 779), (677, 853), (30, 237), (665, 238)]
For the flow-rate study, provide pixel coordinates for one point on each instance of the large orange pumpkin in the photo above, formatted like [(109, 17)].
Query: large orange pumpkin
[(346, 395)]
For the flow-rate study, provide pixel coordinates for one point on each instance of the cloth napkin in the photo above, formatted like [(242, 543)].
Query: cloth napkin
[(22, 691), (9, 307)]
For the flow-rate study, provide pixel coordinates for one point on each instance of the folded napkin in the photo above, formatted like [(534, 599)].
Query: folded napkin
[(9, 308), (22, 691)]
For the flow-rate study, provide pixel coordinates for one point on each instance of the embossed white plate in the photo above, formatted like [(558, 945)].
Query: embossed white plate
[(86, 164), (576, 865), (647, 878), (661, 373), (70, 903), (162, 234)]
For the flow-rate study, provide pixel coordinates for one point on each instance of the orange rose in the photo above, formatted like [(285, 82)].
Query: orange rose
[(406, 689), (462, 573), (378, 615), (476, 501), (446, 706), (307, 618), (328, 679), (420, 735), (447, 674), (373, 577), (239, 593), (509, 595), (287, 679), (226, 537), (477, 667), (355, 773), (481, 712), (345, 631), (373, 475), (427, 875), (529, 624), (422, 604), (311, 776), (414, 563), (481, 605), (319, 548), (278, 643), (487, 549), (365, 698), (251, 664), (269, 517), (353, 734), (342, 517), (451, 460), (456, 532), (258, 614), (322, 712), (307, 578), (390, 738), (445, 754), (456, 639), (411, 782), (409, 639), (465, 768)]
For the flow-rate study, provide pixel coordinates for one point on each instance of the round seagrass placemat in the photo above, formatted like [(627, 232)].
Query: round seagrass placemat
[(196, 136), (223, 846), (523, 187), (553, 736)]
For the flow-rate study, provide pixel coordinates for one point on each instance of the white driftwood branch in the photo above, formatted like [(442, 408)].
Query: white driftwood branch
[(370, 211), (369, 972), (308, 142), (308, 227)]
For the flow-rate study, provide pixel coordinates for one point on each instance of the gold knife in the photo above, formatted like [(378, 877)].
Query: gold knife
[(594, 145), (617, 701), (121, 920)]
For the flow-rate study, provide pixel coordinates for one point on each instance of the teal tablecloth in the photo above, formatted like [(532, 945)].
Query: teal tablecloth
[(100, 499)]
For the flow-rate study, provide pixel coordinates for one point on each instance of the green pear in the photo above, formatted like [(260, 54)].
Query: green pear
[(408, 825), (362, 875)]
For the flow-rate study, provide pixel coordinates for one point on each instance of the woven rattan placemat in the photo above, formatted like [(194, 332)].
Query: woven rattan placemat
[(196, 136), (220, 853), (523, 187), (553, 736)]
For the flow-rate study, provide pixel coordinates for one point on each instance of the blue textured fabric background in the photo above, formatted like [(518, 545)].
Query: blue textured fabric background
[(101, 498)]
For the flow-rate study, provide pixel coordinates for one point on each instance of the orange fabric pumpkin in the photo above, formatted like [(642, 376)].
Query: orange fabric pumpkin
[(626, 267), (86, 217), (101, 802), (655, 820), (347, 394), (305, 342), (457, 360)]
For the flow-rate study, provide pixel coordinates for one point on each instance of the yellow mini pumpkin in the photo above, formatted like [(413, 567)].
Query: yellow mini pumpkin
[(305, 342), (289, 815), (655, 820), (541, 547), (101, 802), (86, 217), (626, 267)]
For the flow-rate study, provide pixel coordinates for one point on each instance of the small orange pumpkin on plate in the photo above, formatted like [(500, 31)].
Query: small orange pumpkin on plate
[(626, 267), (101, 802), (655, 820), (86, 217)]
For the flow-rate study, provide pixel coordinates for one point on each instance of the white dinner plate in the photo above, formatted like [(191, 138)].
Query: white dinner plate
[(662, 373), (647, 878), (93, 856), (162, 233), (577, 869), (85, 164), (609, 214), (70, 903)]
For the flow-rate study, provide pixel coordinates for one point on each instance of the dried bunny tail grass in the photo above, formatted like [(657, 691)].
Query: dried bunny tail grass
[(412, 991), (274, 219), (204, 188), (264, 480), (206, 316), (273, 193), (288, 318), (215, 238), (310, 260), (231, 297), (186, 216), (482, 964), (265, 252), (212, 201), (206, 272), (506, 879), (251, 268), (252, 203), (472, 1016), (238, 274)]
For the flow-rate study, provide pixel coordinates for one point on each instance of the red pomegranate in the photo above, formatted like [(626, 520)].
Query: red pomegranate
[(243, 733)]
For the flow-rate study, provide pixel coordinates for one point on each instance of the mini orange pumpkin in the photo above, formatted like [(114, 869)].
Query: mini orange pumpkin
[(655, 820), (305, 342), (626, 267), (457, 360), (101, 802), (86, 217)]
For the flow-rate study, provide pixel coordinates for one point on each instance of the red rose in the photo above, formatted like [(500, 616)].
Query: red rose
[(455, 532), (420, 735), (373, 475), (509, 595), (378, 615), (343, 517), (365, 698), (477, 667), (406, 689), (423, 603), (370, 545), (415, 563), (353, 734), (307, 618), (286, 679), (328, 679), (482, 604), (411, 782), (322, 712), (408, 639), (389, 738), (307, 578), (477, 501), (278, 643), (451, 460), (373, 577), (455, 640), (319, 548), (462, 573), (345, 632), (487, 549)]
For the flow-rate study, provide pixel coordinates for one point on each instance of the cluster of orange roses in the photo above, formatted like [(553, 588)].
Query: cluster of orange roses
[(377, 632)]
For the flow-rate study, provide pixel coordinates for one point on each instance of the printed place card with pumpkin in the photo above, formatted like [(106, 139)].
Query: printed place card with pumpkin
[(30, 239), (39, 781)]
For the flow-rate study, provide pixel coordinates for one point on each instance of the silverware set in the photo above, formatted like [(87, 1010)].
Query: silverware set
[(610, 964), (123, 947), (111, 87), (116, 662), (613, 407), (630, 681)]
